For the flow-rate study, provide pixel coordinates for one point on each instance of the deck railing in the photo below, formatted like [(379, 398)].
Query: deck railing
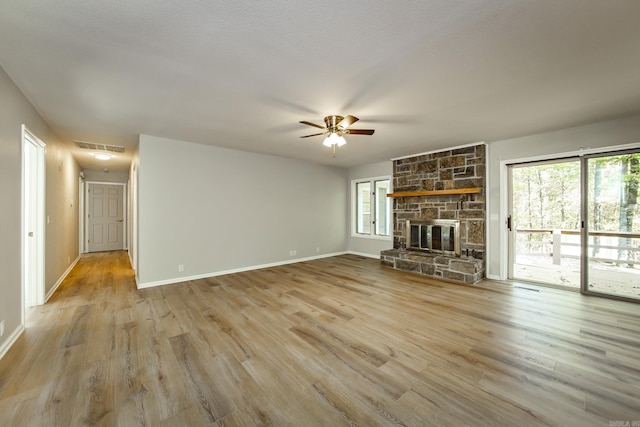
[(620, 248)]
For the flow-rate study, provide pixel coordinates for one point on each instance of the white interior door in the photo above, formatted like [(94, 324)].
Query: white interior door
[(105, 217), (33, 182)]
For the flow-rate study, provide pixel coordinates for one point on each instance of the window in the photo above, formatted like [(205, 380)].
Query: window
[(372, 207)]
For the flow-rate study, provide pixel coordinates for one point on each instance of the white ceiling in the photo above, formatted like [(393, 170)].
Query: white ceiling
[(242, 74)]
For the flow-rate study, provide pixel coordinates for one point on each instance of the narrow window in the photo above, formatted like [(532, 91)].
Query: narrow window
[(363, 207), (382, 207), (372, 207)]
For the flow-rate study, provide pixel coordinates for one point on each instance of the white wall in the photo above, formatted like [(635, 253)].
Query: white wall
[(559, 143), (61, 239), (102, 176), (214, 210), (367, 245)]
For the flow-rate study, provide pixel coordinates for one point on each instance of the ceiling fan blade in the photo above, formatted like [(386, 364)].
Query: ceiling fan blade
[(348, 121), (361, 131), (304, 122), (315, 134)]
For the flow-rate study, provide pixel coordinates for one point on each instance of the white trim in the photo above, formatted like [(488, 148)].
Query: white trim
[(373, 178), (373, 236), (133, 217), (440, 150), (11, 340), (503, 246), (232, 271), (61, 279), (81, 216), (487, 216), (352, 213), (29, 137), (364, 255)]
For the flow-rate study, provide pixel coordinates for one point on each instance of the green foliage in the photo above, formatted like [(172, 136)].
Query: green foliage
[(547, 196)]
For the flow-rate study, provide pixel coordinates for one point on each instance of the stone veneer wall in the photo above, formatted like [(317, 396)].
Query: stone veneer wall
[(451, 169)]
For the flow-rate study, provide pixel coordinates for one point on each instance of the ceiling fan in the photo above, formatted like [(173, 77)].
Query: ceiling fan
[(335, 128)]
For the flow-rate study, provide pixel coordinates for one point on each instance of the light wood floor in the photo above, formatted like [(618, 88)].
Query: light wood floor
[(338, 341)]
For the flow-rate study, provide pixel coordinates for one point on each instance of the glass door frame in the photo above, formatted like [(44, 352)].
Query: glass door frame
[(584, 214), (511, 232)]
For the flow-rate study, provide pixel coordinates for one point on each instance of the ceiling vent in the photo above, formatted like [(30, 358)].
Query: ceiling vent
[(100, 147)]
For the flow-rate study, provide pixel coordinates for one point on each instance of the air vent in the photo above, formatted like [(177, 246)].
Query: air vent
[(100, 147)]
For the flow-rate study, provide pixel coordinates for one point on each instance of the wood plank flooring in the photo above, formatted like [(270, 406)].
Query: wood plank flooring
[(337, 341)]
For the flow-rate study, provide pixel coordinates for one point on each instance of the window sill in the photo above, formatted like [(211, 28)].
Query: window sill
[(372, 237)]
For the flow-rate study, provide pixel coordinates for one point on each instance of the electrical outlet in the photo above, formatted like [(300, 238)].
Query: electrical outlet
[(68, 260), (2, 328), (318, 249), (180, 268)]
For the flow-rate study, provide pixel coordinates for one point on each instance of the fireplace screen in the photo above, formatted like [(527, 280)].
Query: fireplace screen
[(439, 236)]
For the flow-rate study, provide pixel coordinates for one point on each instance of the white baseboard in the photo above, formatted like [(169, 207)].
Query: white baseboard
[(365, 255), (61, 279), (235, 270), (11, 339)]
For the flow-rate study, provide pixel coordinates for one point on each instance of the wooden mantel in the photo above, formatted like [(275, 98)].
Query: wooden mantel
[(473, 190)]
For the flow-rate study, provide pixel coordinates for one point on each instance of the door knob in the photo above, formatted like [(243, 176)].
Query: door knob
[(31, 234), (119, 220)]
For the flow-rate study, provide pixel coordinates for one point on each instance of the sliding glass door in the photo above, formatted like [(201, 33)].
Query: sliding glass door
[(575, 223), (611, 257), (544, 222)]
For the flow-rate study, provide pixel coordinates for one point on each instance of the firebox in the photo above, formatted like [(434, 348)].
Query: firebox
[(437, 235)]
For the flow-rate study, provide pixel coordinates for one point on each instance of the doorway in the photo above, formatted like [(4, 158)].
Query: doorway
[(33, 219), (545, 222), (105, 216), (611, 259), (575, 223)]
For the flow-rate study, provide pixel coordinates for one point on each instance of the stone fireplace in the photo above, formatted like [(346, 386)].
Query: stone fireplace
[(439, 214)]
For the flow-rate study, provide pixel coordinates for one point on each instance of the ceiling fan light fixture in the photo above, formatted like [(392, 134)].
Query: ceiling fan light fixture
[(335, 128), (334, 139)]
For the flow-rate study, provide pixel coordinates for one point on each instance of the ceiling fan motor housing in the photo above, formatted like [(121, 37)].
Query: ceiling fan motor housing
[(333, 122)]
